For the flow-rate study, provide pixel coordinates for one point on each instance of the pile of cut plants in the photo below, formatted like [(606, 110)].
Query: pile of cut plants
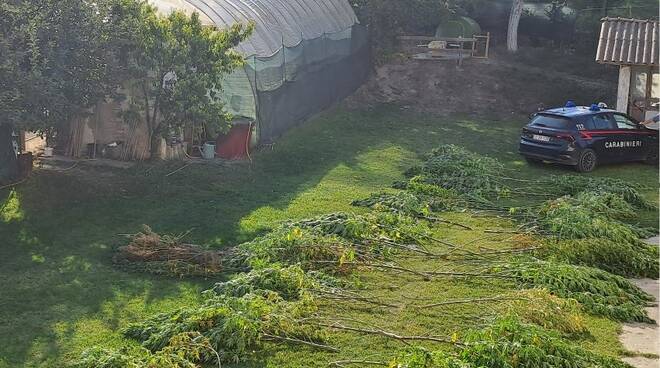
[(281, 282), (151, 252)]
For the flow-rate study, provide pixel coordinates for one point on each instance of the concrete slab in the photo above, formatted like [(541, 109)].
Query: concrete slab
[(639, 362), (641, 337), (654, 240)]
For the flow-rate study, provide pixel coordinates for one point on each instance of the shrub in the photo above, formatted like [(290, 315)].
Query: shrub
[(621, 258), (182, 351), (588, 216), (454, 168), (599, 292), (506, 343), (512, 343), (540, 307), (402, 202), (290, 283), (368, 228), (574, 184), (388, 19), (295, 245), (234, 327)]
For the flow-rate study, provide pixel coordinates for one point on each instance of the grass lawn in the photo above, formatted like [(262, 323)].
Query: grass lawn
[(60, 293)]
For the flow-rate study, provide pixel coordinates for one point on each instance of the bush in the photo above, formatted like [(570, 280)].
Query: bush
[(458, 170), (370, 228), (388, 19), (507, 343), (621, 258), (295, 245), (600, 292), (234, 327), (512, 343), (402, 202), (182, 351), (589, 215), (574, 184), (540, 307), (290, 283)]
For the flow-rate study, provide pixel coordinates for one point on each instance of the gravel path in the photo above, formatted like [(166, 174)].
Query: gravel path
[(641, 337)]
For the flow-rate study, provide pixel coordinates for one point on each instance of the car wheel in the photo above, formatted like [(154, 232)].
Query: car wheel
[(651, 158), (586, 161)]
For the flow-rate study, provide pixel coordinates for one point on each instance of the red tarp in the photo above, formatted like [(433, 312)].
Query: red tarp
[(234, 144)]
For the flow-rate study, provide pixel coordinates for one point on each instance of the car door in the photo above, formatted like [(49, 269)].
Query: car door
[(601, 134), (632, 142)]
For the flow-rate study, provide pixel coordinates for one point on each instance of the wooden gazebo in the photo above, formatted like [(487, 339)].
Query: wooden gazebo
[(632, 44)]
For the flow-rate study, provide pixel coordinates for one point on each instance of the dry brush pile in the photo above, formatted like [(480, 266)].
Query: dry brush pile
[(291, 270), (151, 252)]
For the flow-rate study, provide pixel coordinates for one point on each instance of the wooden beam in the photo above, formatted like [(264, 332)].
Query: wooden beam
[(431, 38), (487, 44), (623, 92)]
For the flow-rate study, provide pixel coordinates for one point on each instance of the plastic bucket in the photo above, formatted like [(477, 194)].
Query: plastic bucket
[(208, 151)]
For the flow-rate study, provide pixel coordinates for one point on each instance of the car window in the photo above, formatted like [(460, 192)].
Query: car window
[(602, 122), (551, 121), (622, 122), (585, 123)]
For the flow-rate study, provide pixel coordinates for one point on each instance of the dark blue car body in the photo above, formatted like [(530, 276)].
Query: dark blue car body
[(583, 137)]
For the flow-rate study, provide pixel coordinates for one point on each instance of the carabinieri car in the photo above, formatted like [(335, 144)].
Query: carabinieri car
[(585, 137)]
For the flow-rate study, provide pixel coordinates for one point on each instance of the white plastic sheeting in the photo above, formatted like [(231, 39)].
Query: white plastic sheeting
[(302, 56), (277, 22)]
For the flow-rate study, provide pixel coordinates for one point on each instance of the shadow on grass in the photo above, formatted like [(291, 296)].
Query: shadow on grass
[(59, 229)]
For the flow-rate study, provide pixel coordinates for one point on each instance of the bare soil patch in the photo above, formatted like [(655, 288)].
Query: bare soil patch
[(492, 88)]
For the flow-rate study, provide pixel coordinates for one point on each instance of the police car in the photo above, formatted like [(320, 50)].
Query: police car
[(585, 137)]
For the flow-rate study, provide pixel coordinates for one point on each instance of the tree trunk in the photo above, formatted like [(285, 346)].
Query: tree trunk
[(8, 159), (514, 20)]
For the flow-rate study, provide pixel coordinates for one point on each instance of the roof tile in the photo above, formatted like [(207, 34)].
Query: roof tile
[(628, 42)]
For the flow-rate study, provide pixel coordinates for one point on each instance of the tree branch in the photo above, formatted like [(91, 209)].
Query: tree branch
[(298, 341), (391, 335)]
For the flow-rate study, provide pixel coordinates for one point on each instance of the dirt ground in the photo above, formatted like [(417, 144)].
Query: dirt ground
[(492, 88), (641, 337)]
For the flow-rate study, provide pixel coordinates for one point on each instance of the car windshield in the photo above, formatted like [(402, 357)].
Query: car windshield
[(551, 121)]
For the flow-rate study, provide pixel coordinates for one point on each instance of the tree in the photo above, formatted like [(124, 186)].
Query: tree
[(53, 66), (8, 168), (60, 57), (175, 68), (514, 21), (388, 19)]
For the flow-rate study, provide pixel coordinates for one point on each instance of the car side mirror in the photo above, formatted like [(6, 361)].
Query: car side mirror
[(532, 115)]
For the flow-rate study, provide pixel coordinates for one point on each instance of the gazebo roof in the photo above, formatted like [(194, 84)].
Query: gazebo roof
[(628, 42)]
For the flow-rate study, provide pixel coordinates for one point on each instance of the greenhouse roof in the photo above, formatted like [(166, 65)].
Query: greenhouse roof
[(277, 22)]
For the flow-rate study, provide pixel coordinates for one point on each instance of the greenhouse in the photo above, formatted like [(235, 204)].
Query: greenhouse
[(303, 56)]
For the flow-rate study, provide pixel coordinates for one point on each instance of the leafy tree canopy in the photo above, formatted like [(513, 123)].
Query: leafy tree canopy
[(60, 57), (175, 67), (54, 60)]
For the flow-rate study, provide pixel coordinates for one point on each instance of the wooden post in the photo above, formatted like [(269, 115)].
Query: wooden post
[(21, 141), (623, 92), (8, 158), (487, 43), (647, 92), (460, 53)]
